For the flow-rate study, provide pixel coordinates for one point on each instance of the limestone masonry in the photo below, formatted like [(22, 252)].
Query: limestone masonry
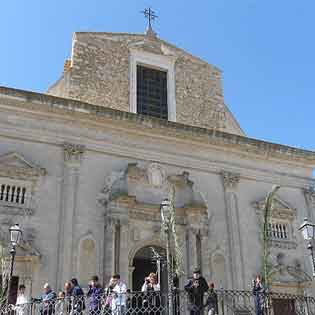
[(84, 174)]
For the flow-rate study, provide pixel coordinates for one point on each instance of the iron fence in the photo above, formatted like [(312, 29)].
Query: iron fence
[(230, 302)]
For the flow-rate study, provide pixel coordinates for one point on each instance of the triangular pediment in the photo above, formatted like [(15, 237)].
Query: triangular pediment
[(280, 208), (277, 203), (15, 165), (14, 159)]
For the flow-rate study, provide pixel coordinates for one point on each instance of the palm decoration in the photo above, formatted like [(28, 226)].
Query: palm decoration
[(267, 211), (178, 255), (3, 282)]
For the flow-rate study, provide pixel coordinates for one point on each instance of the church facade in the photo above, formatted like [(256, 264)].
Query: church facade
[(85, 167)]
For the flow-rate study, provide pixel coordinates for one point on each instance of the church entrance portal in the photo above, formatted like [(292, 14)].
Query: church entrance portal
[(149, 259)]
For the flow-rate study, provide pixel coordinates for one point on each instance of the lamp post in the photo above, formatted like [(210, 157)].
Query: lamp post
[(166, 216), (15, 237), (307, 229)]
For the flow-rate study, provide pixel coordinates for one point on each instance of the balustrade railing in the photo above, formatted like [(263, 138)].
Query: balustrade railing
[(230, 302)]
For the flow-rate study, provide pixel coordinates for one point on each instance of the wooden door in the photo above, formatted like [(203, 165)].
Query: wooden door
[(283, 307), (13, 290)]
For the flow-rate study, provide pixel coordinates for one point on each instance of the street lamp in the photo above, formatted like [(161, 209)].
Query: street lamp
[(166, 216), (307, 229), (15, 237)]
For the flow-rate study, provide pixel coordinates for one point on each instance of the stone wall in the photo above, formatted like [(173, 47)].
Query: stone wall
[(68, 212), (100, 74)]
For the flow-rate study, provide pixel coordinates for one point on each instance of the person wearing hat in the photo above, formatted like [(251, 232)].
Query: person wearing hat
[(196, 288)]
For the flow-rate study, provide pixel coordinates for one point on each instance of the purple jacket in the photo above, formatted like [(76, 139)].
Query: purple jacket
[(95, 295)]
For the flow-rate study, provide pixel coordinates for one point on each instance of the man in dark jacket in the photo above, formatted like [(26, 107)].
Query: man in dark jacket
[(196, 289), (78, 297)]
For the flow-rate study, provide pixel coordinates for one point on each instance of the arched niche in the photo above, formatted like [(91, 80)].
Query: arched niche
[(87, 260), (218, 271)]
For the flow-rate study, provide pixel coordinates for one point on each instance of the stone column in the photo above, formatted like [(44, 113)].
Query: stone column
[(235, 248), (130, 275), (72, 160), (111, 248), (124, 249), (309, 194), (108, 258), (192, 258), (116, 243), (205, 255)]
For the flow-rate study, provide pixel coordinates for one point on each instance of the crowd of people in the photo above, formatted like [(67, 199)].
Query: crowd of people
[(116, 299)]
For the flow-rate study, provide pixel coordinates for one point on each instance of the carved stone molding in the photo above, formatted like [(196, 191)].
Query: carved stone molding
[(283, 244), (109, 187), (230, 180), (73, 152), (156, 175), (15, 166), (282, 213), (309, 194), (15, 211), (280, 209)]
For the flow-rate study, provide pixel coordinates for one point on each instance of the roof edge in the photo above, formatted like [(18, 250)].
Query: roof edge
[(212, 136)]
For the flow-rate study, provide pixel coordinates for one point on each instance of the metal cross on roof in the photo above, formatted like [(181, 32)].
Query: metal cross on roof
[(151, 16)]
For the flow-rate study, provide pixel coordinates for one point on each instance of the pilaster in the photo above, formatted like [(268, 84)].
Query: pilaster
[(110, 252), (72, 154), (124, 249), (191, 250), (309, 194), (235, 246)]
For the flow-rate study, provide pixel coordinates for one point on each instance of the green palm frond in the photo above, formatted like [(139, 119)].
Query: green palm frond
[(178, 255), (267, 212)]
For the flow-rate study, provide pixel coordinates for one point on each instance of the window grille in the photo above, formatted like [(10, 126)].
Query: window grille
[(14, 194), (278, 231), (152, 92)]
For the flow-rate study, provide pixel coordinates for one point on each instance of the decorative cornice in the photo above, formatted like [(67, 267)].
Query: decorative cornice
[(284, 244), (37, 103), (144, 211), (73, 152), (6, 209), (230, 180), (21, 173)]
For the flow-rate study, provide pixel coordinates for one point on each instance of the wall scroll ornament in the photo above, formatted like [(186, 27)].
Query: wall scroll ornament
[(73, 152), (109, 188), (230, 180)]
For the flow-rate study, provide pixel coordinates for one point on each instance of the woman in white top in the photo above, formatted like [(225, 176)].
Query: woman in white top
[(151, 288), (150, 283), (21, 304)]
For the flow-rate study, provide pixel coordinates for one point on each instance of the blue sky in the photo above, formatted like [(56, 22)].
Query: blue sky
[(266, 50)]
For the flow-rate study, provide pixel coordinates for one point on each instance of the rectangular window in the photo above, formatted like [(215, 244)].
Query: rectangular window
[(152, 92)]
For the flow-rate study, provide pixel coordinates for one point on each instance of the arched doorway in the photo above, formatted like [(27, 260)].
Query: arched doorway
[(149, 259)]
